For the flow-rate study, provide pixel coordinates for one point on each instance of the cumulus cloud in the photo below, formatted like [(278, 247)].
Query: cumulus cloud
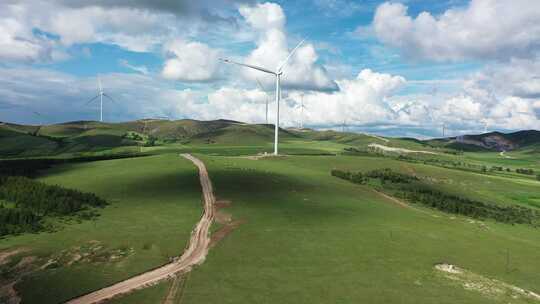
[(210, 10), (268, 21), (361, 100), (18, 40), (496, 29), (34, 30), (39, 31), (368, 102), (190, 61), (137, 96)]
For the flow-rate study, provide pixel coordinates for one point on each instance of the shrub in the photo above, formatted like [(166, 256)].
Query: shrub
[(388, 175), (358, 178), (459, 205), (525, 171), (341, 174)]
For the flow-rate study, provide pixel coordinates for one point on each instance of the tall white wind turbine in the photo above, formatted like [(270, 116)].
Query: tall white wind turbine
[(100, 95), (277, 73), (262, 89)]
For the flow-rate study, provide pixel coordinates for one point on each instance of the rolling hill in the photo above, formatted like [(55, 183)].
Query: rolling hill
[(99, 137), (493, 141)]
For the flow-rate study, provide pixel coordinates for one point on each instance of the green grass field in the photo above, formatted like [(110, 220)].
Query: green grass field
[(306, 236), (154, 203), (311, 238)]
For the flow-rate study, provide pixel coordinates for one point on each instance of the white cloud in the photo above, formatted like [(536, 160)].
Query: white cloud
[(368, 102), (96, 24), (340, 8), (361, 100), (191, 61), (137, 68), (496, 29), (302, 71), (18, 42), (139, 26)]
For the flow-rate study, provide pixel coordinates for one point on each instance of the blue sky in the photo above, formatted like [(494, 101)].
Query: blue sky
[(399, 68)]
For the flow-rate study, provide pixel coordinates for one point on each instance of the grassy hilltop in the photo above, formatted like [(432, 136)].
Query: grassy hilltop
[(301, 234)]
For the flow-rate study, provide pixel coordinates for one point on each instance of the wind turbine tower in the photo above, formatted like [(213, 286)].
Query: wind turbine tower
[(277, 73), (443, 129), (100, 94), (302, 107), (40, 124)]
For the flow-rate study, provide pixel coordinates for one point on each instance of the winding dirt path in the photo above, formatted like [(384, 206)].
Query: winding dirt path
[(193, 255)]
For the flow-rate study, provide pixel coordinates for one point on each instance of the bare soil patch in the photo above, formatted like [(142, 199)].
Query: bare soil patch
[(225, 230), (6, 254), (491, 288), (397, 150)]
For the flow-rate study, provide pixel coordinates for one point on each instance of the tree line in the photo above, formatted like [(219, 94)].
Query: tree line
[(525, 171), (412, 189), (32, 201), (384, 175)]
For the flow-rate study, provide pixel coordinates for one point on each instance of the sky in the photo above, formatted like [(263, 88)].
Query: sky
[(394, 68)]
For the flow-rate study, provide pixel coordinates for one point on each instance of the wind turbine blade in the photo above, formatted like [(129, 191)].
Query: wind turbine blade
[(248, 66), (289, 56), (260, 85), (91, 100), (109, 97), (37, 113)]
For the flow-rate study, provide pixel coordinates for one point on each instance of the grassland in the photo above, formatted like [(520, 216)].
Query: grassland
[(155, 202), (306, 237), (316, 239)]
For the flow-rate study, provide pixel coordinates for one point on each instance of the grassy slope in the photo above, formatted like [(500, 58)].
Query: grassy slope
[(311, 238), (155, 202), (14, 143)]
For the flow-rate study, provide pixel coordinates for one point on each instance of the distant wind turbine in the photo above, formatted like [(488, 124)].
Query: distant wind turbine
[(277, 73), (262, 89), (100, 95), (40, 122), (344, 125), (302, 107), (443, 129)]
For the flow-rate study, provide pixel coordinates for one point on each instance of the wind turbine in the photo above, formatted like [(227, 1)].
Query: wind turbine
[(277, 73), (100, 95), (302, 107), (262, 89), (344, 125), (443, 129), (40, 119)]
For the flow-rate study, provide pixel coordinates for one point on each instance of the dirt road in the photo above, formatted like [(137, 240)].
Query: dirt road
[(194, 254), (398, 150)]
